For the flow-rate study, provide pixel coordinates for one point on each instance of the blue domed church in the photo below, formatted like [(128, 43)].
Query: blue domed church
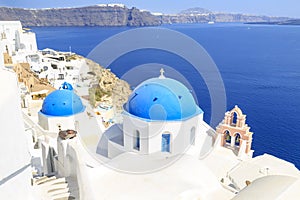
[(160, 115), (59, 108)]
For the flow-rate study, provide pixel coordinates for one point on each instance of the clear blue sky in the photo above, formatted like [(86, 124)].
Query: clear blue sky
[(290, 8)]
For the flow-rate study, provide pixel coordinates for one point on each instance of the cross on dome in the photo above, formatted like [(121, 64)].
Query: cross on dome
[(162, 71)]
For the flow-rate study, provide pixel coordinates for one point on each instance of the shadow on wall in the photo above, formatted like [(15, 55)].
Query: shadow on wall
[(114, 134)]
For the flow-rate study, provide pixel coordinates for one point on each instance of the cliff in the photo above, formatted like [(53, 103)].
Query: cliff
[(84, 16), (105, 15), (200, 15), (284, 22), (108, 88)]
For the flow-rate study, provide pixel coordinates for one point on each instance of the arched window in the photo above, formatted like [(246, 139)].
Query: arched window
[(234, 119), (136, 140), (227, 137), (237, 139), (165, 142)]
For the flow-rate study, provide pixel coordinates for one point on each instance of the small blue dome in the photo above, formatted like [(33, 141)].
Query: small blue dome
[(62, 103), (66, 86), (162, 99)]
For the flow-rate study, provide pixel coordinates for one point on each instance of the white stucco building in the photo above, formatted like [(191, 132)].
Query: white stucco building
[(59, 109), (14, 38)]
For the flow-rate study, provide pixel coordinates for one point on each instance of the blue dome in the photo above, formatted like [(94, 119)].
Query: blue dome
[(62, 103), (162, 99), (66, 86)]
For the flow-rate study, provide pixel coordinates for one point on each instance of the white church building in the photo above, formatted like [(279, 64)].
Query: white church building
[(160, 116), (59, 109), (163, 149), (163, 141)]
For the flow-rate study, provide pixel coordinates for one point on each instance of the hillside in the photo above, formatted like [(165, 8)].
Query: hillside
[(200, 15), (107, 15), (84, 16), (285, 22)]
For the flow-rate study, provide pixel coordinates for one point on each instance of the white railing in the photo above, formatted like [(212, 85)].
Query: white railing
[(39, 131)]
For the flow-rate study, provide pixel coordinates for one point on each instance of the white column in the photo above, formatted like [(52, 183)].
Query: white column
[(232, 141), (242, 150)]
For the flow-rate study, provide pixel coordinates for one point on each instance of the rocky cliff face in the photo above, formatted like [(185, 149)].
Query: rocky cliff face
[(120, 16), (287, 22), (217, 17), (108, 88), (200, 15), (85, 16)]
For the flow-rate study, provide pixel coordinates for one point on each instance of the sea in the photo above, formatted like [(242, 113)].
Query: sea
[(259, 66)]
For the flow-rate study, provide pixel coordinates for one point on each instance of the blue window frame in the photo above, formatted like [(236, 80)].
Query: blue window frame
[(165, 143), (136, 141)]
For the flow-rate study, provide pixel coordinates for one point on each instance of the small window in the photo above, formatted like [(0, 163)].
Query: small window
[(60, 77), (54, 66), (136, 141), (165, 143)]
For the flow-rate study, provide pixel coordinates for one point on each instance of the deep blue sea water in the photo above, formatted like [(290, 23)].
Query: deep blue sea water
[(259, 64)]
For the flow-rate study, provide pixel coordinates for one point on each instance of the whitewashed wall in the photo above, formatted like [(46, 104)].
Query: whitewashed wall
[(151, 133), (51, 123), (15, 171)]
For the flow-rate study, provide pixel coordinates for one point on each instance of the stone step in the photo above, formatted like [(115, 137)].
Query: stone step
[(53, 188)]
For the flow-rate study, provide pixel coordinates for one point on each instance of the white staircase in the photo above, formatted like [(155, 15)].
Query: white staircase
[(52, 188)]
